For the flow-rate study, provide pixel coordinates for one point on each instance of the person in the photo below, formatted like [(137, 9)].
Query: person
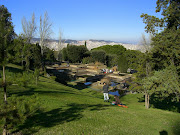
[(105, 92), (116, 96)]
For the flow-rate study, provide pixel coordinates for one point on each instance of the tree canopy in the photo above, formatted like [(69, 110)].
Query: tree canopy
[(7, 34)]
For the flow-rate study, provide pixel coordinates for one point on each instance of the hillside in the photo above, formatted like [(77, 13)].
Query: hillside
[(66, 110)]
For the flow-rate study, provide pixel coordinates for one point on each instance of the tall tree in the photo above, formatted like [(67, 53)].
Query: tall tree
[(29, 28), (166, 40), (6, 38), (45, 32), (170, 11), (60, 46)]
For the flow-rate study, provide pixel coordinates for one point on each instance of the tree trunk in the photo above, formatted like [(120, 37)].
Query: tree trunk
[(5, 99), (148, 101), (145, 100), (5, 130), (4, 84)]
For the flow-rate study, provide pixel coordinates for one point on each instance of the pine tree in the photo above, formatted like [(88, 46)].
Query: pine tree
[(6, 38)]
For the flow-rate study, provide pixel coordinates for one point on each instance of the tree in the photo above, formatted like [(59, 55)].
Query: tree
[(64, 54), (170, 12), (75, 53), (166, 40), (18, 49), (111, 60), (164, 84), (60, 46), (122, 64), (166, 43), (146, 42), (112, 49), (134, 58), (166, 49), (60, 40), (26, 53), (85, 44), (29, 28), (45, 32), (6, 38), (99, 55)]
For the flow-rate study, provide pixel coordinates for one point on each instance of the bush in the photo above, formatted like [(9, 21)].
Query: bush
[(111, 60), (17, 110), (99, 56), (87, 60), (74, 53), (122, 64)]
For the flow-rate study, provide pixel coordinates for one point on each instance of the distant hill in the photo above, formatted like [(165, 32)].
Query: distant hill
[(91, 43)]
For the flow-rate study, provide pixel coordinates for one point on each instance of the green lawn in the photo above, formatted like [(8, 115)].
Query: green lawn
[(69, 111)]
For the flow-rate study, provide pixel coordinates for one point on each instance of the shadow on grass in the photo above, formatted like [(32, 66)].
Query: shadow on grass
[(163, 132), (14, 70), (43, 119), (175, 129), (79, 86), (162, 103), (31, 91)]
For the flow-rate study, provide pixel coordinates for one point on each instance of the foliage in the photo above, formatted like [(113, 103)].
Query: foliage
[(112, 49), (111, 60), (74, 53), (164, 85), (87, 60), (48, 54), (64, 54), (122, 64), (166, 50), (20, 79), (134, 58), (17, 110), (6, 36), (164, 82), (164, 57), (98, 55), (169, 10), (26, 53), (36, 74)]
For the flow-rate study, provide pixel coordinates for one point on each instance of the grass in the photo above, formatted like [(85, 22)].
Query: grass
[(70, 111)]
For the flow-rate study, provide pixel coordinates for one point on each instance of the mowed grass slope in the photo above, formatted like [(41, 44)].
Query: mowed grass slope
[(68, 111)]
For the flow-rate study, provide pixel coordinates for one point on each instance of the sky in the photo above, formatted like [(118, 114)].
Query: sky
[(116, 20)]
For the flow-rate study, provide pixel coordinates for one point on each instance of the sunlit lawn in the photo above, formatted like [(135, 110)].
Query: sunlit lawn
[(69, 111)]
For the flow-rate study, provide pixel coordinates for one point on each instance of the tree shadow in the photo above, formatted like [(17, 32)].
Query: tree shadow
[(157, 101), (79, 86), (176, 128), (43, 119), (31, 91), (14, 70), (94, 78), (61, 77), (162, 103), (163, 132)]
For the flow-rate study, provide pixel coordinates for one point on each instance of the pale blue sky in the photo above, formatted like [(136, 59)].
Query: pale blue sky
[(117, 20)]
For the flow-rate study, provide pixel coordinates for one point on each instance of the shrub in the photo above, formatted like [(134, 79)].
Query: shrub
[(122, 64), (87, 60), (99, 56), (17, 110)]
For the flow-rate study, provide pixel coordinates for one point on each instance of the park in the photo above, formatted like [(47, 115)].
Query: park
[(73, 90)]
